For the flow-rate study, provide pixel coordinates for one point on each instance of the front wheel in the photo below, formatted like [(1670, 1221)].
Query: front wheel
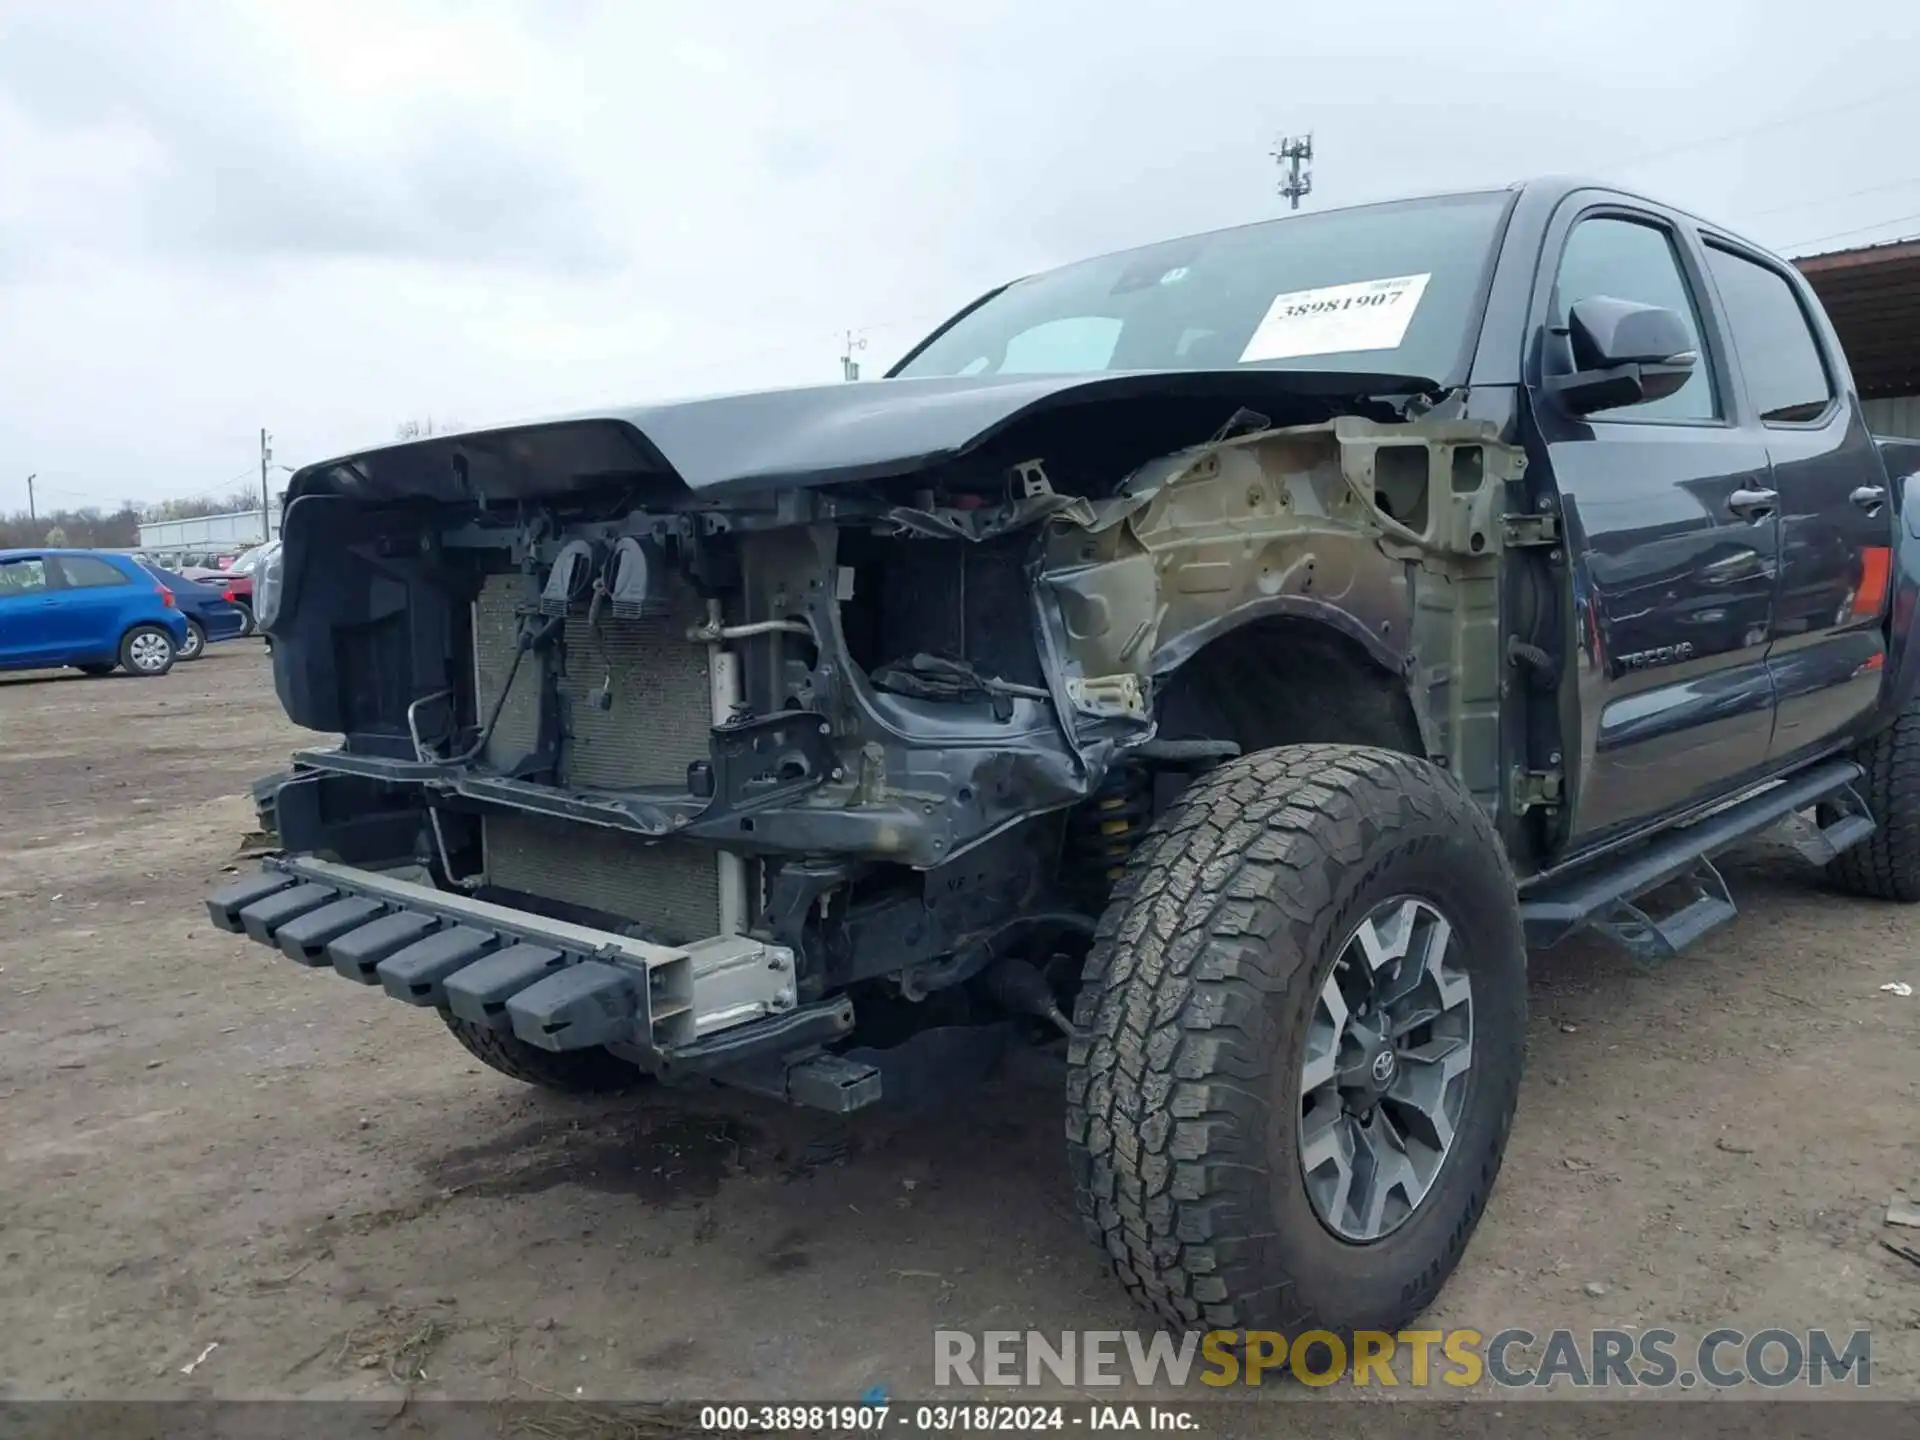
[(1301, 1027), (146, 651), (571, 1072), (196, 642)]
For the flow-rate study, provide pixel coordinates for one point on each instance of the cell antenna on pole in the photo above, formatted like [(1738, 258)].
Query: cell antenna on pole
[(1295, 151)]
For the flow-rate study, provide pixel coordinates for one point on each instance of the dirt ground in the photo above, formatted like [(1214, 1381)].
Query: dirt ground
[(200, 1142)]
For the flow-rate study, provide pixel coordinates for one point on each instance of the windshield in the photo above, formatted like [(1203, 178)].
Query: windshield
[(1386, 288)]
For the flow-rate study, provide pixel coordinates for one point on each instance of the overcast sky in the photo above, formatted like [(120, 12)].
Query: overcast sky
[(326, 218)]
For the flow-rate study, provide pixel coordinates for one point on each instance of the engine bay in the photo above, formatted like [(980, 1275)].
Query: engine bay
[(908, 729)]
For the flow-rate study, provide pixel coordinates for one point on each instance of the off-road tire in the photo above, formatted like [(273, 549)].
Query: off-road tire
[(132, 637), (571, 1072), (1183, 1096), (1886, 865)]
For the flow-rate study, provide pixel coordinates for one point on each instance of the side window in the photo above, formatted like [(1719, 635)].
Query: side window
[(1627, 260), (1786, 378), (88, 572), (22, 577)]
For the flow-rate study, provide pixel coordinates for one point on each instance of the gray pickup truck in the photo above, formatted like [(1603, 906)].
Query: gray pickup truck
[(1223, 658)]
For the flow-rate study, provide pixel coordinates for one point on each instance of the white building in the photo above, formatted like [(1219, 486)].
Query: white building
[(234, 531)]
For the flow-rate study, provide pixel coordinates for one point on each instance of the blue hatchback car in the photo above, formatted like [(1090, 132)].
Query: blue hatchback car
[(210, 615), (87, 608)]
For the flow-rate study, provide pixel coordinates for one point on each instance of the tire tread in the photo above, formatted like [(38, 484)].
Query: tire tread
[(571, 1072), (1886, 865), (1211, 916)]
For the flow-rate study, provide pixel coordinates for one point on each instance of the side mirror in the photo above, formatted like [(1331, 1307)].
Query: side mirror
[(1624, 353)]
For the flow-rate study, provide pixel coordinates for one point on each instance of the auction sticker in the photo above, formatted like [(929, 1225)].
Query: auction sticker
[(1366, 315)]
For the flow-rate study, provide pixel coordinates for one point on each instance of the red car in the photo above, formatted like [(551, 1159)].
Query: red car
[(238, 592), (236, 583)]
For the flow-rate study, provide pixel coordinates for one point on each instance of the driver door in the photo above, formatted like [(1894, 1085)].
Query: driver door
[(26, 612), (1674, 559)]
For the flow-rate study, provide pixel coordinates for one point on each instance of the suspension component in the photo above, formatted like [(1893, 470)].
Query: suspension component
[(1106, 827)]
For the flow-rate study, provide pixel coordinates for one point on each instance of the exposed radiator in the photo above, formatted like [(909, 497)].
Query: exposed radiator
[(662, 700), (671, 889), (656, 726)]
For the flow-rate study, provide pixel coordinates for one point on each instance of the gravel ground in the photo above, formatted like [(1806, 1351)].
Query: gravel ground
[(201, 1143)]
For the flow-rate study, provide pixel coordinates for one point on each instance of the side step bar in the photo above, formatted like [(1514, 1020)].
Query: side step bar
[(1604, 894)]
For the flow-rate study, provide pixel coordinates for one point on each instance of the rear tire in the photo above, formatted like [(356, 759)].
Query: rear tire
[(1886, 865), (196, 645), (571, 1072), (147, 651), (1203, 1012), (246, 619)]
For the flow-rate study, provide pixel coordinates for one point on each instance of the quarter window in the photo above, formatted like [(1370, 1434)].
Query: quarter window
[(1628, 260), (88, 572), (1786, 378)]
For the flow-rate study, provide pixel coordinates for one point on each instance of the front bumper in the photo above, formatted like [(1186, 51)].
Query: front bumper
[(553, 984)]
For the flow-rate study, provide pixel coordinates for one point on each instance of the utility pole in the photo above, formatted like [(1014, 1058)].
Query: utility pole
[(33, 517), (850, 367), (266, 502), (1294, 149)]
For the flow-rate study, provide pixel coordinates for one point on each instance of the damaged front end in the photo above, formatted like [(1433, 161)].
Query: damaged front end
[(759, 772)]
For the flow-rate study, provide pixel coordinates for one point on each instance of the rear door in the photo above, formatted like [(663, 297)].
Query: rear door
[(1674, 566), (94, 601), (26, 607), (1836, 518)]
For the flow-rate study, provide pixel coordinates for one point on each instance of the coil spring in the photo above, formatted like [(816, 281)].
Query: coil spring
[(1107, 827)]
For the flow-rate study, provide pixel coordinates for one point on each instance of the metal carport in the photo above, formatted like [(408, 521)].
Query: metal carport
[(1872, 295)]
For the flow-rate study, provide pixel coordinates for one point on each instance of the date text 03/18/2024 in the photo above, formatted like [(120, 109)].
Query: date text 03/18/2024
[(942, 1418)]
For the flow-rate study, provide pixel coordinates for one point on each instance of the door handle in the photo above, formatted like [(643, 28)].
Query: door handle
[(1870, 498), (1752, 504)]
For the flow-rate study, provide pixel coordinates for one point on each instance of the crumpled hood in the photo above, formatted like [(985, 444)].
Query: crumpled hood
[(814, 435)]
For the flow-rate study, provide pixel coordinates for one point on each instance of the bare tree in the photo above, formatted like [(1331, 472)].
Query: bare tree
[(87, 528), (241, 497), (90, 528), (423, 429)]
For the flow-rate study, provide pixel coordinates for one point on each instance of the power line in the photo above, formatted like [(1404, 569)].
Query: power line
[(1859, 102), (1827, 199), (59, 494), (224, 485), (1856, 230)]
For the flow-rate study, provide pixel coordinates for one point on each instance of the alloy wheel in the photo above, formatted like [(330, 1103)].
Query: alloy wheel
[(1388, 1057)]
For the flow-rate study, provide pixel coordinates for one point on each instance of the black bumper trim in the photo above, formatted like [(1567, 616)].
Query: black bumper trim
[(551, 983)]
